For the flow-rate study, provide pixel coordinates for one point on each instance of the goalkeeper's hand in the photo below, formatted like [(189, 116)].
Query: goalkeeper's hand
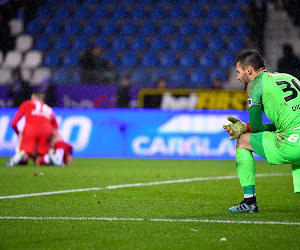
[(236, 129)]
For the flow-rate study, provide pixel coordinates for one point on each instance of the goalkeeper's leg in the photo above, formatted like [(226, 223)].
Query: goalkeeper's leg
[(296, 177)]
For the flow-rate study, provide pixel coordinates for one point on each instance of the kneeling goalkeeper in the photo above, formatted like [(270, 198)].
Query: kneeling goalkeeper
[(278, 95)]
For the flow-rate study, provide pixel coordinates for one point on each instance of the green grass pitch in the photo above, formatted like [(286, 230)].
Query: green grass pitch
[(199, 200)]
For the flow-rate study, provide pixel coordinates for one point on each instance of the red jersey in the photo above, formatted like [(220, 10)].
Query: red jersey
[(37, 114)]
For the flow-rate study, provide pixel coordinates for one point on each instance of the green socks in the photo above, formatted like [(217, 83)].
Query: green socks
[(296, 178), (246, 171)]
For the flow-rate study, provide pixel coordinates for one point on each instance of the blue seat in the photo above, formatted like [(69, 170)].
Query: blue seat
[(75, 76), (157, 12), (201, 2), (207, 60), (128, 28), (177, 44), (215, 12), (138, 43), (129, 59), (119, 43), (119, 13), (178, 79), (80, 13), (42, 43), (234, 12), (112, 57), (216, 44), (148, 28), (60, 76), (51, 59), (62, 12), (198, 79), (167, 60), (89, 2), (80, 43), (149, 60), (243, 29), (167, 28), (100, 12), (128, 2), (101, 42), (139, 77), (218, 73), (235, 44), (205, 28), (90, 28), (197, 44), (138, 12), (33, 27), (186, 1), (158, 44), (72, 28), (187, 28), (223, 1), (61, 44), (52, 28), (243, 1), (227, 60), (157, 74), (146, 1), (165, 1), (105, 2), (43, 12), (52, 2), (176, 12), (109, 28), (225, 28), (70, 60), (187, 60), (195, 12)]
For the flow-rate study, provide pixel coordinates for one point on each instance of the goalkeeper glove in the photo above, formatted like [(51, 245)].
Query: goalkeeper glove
[(237, 128)]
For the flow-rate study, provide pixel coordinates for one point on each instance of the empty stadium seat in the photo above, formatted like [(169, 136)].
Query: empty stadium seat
[(111, 56), (218, 73), (5, 76), (176, 12), (167, 28), (44, 12), (128, 28), (234, 12), (177, 44), (42, 43), (148, 28), (119, 43), (167, 60), (214, 12), (24, 43), (139, 77), (75, 76), (186, 28), (178, 78), (81, 13), (1, 57), (100, 12), (225, 28), (149, 60), (32, 59), (12, 59), (80, 43), (157, 12), (138, 12), (51, 59), (60, 76), (197, 44), (195, 12), (109, 28), (119, 13), (61, 43), (62, 12), (227, 60), (129, 59), (158, 44), (33, 27), (243, 29), (138, 44), (52, 28), (198, 79), (235, 44), (26, 74), (71, 28), (216, 44), (187, 60), (207, 60), (16, 26), (90, 28), (205, 28), (70, 60), (101, 41)]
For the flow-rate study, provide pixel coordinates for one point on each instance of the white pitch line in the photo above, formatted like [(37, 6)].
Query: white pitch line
[(152, 220), (135, 185)]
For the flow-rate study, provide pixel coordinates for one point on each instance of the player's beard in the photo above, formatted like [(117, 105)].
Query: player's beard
[(245, 80)]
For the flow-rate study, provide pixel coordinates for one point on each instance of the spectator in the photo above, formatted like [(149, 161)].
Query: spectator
[(6, 41), (257, 19), (123, 93), (161, 83), (49, 89), (289, 63), (217, 83), (20, 90)]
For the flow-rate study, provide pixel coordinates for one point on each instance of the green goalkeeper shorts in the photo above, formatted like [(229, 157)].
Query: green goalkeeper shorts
[(277, 147)]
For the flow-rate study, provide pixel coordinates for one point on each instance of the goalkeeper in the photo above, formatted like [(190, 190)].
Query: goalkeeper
[(278, 95)]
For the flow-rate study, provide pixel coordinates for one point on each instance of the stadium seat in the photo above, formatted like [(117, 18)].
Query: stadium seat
[(119, 13), (71, 28), (60, 76), (109, 28), (186, 28), (157, 74), (207, 60), (215, 12), (61, 44), (205, 28), (243, 29), (158, 44), (12, 59), (62, 12), (81, 13), (52, 28), (178, 78), (24, 43), (90, 28), (43, 12), (139, 77), (51, 59), (166, 28), (197, 44), (72, 1), (218, 73), (138, 12), (52, 2), (225, 28), (216, 44), (223, 1), (148, 28), (90, 2), (16, 26), (33, 27), (138, 43), (234, 12), (5, 76), (126, 2), (149, 60), (119, 43), (165, 1), (227, 60), (195, 12), (111, 56), (176, 12), (128, 28), (32, 59), (128, 60), (101, 41), (157, 12), (146, 1), (70, 60), (1, 57), (187, 60), (167, 60), (100, 12), (177, 44), (235, 44), (198, 79), (75, 76), (26, 74), (80, 43)]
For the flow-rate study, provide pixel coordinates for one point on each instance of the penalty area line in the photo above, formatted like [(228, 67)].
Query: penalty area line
[(135, 185), (151, 220)]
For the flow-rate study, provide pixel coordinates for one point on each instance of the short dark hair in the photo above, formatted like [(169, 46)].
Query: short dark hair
[(250, 58), (39, 94)]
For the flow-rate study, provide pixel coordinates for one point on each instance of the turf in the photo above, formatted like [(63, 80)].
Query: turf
[(202, 200)]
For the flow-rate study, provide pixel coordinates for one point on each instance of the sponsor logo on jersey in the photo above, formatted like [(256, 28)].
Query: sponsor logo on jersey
[(250, 104)]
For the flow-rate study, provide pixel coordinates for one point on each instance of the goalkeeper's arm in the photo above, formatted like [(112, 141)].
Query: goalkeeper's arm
[(256, 125)]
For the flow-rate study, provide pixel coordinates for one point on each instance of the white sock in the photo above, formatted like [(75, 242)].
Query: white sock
[(46, 159), (249, 195), (60, 155)]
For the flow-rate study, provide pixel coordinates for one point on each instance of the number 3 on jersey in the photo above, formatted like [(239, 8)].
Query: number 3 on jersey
[(290, 88)]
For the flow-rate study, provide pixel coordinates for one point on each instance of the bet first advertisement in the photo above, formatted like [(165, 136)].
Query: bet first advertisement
[(137, 133)]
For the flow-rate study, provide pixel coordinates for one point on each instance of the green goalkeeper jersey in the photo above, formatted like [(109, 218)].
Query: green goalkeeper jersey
[(279, 96)]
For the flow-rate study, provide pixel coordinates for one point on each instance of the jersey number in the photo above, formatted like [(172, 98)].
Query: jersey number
[(290, 88)]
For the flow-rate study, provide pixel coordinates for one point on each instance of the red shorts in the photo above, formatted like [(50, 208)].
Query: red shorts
[(36, 138)]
